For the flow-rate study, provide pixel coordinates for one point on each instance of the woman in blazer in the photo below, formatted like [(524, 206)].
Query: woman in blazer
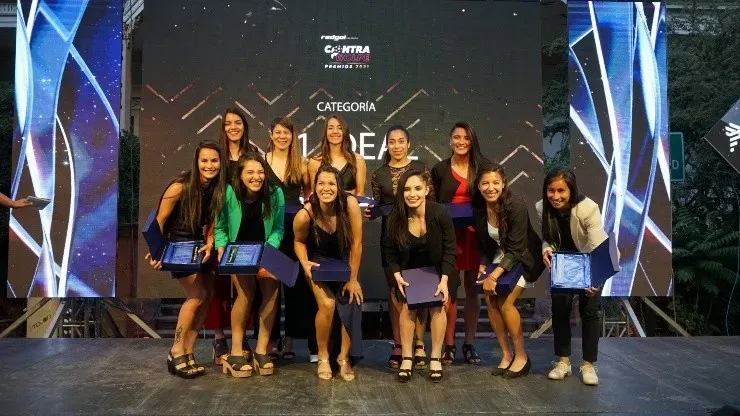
[(420, 233), (505, 237), (252, 212), (571, 222)]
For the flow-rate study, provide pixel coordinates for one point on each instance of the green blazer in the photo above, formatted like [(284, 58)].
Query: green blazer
[(230, 218)]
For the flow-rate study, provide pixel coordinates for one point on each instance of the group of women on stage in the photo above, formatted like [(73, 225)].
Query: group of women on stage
[(232, 193)]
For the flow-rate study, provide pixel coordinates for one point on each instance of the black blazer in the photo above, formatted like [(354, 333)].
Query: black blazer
[(440, 243), (521, 243), (444, 183)]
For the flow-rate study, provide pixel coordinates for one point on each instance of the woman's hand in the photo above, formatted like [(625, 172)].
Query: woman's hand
[(307, 267), (367, 211), (157, 265), (547, 257), (401, 284), (21, 203), (481, 270), (220, 251), (590, 292), (489, 285), (355, 291), (442, 288), (207, 250)]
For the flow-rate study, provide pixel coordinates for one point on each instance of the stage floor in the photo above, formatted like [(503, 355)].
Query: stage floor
[(656, 376)]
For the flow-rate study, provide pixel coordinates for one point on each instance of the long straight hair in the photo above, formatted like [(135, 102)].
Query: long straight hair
[(398, 224), (192, 189), (475, 157), (264, 195), (550, 227), (349, 155), (344, 231), (502, 207), (391, 129), (223, 140), (294, 167)]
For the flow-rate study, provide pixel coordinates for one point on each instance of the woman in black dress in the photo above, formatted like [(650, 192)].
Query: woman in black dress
[(188, 206), (420, 234), (336, 151), (384, 183), (330, 227)]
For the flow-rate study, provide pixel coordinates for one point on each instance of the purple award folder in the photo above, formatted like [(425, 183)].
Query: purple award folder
[(331, 270), (249, 257), (573, 272), (364, 200), (423, 283), (181, 256), (461, 214), (505, 283), (381, 211)]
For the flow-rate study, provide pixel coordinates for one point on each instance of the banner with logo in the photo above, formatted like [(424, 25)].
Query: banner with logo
[(725, 135), (422, 64)]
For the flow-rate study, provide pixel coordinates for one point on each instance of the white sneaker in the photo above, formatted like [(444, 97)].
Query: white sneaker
[(313, 358), (588, 372), (560, 371)]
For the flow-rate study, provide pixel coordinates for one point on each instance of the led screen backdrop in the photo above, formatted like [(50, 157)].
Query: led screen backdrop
[(68, 94), (421, 64), (619, 134)]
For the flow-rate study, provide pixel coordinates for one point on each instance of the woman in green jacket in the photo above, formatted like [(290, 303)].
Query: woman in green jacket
[(253, 211)]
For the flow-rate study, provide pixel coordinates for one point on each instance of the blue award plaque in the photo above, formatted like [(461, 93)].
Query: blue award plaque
[(381, 211), (331, 270), (241, 258), (423, 283), (279, 265), (573, 272), (505, 283), (181, 256), (461, 214)]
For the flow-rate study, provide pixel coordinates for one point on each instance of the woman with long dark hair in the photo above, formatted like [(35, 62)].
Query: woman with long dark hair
[(186, 209), (419, 234), (454, 181), (330, 227), (505, 237), (234, 142), (336, 151), (287, 169), (253, 211), (384, 183), (571, 222)]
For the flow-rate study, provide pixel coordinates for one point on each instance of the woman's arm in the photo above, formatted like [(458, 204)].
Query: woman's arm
[(593, 225), (278, 215), (355, 224), (361, 176), (515, 242), (311, 168), (301, 225), (167, 204), (306, 180)]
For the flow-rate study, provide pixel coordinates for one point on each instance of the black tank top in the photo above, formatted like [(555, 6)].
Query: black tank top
[(175, 228), (291, 190), (349, 182), (321, 243)]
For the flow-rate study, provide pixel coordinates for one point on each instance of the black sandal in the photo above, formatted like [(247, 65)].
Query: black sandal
[(237, 366), (448, 356), (220, 349), (178, 366), (404, 374), (420, 362), (395, 359), (198, 368), (471, 357), (287, 354), (435, 376), (246, 349), (260, 362)]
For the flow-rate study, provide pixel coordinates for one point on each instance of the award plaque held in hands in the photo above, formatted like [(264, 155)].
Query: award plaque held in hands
[(380, 211), (423, 283), (249, 257), (461, 214), (331, 270), (180, 256), (573, 272), (505, 283)]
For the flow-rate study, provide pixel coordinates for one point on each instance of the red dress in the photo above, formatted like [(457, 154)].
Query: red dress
[(467, 241)]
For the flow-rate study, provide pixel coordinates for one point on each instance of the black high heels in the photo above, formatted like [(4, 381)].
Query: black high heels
[(178, 366), (404, 374)]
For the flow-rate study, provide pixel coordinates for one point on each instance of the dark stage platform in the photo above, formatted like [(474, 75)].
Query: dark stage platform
[(656, 376)]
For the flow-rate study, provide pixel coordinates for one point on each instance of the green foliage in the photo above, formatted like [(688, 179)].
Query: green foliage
[(555, 106)]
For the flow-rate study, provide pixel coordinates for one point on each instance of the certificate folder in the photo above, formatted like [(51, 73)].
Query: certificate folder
[(505, 283), (180, 256), (364, 200), (461, 213), (573, 271), (423, 283), (331, 270), (290, 212), (249, 257), (380, 211)]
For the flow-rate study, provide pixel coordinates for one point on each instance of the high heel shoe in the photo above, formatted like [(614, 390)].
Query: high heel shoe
[(260, 363), (323, 375), (238, 366), (420, 361), (448, 356), (200, 370), (348, 376), (435, 376), (498, 371), (471, 357), (394, 361), (178, 366), (404, 374), (523, 372), (220, 349)]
